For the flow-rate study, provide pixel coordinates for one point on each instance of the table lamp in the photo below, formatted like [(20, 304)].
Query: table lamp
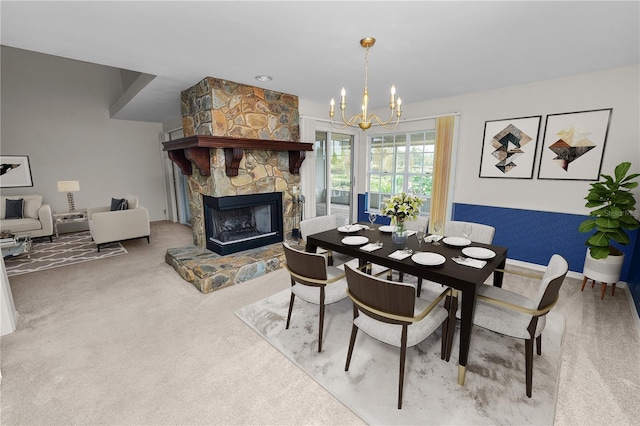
[(69, 186)]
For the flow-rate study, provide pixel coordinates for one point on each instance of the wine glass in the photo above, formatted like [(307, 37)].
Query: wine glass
[(372, 218), (466, 230), (437, 227), (420, 236)]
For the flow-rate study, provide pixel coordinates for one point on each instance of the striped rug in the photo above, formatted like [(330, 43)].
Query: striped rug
[(67, 249)]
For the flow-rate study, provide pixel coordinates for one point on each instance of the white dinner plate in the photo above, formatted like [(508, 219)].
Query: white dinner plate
[(355, 240), (352, 228), (428, 258), (387, 228), (456, 241), (478, 252)]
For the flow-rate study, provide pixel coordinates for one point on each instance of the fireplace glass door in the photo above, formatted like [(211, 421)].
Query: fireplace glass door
[(242, 222)]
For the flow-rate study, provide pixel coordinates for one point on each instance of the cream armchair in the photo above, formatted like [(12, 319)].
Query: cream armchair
[(107, 226)]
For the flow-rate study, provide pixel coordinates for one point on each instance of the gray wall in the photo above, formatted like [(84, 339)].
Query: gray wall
[(56, 111)]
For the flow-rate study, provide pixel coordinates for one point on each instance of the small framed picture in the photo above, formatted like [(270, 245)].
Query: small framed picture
[(574, 144), (15, 171), (509, 147)]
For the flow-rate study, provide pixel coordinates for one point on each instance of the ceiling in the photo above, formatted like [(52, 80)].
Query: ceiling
[(428, 49)]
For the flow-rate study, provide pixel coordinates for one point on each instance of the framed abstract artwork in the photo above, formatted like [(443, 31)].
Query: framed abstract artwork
[(15, 171), (574, 145), (509, 147)]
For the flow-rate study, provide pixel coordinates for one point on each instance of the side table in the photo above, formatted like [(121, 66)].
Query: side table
[(63, 218), (16, 245)]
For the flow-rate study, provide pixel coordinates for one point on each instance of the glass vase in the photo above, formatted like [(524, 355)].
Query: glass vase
[(399, 235)]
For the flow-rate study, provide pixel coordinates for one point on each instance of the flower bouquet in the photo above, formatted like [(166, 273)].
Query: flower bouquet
[(400, 208)]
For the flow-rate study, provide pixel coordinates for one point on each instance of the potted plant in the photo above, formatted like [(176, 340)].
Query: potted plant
[(613, 202)]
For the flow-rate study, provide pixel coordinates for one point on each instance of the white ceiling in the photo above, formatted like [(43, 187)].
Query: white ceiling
[(428, 49)]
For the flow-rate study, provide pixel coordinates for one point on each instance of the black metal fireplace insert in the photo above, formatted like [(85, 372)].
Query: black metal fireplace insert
[(242, 222)]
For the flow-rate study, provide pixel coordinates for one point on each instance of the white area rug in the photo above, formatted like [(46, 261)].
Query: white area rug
[(494, 392), (66, 249)]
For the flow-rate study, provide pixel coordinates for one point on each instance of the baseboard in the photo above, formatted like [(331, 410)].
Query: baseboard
[(578, 275), (542, 268)]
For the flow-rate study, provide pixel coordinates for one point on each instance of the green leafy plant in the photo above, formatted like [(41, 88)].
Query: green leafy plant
[(614, 201)]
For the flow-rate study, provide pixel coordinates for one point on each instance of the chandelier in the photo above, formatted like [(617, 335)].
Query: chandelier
[(363, 120)]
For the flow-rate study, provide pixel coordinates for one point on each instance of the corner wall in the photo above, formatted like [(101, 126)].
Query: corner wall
[(56, 111)]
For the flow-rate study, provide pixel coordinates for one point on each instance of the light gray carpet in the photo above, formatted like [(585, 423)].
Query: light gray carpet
[(64, 250), (494, 392), (126, 341)]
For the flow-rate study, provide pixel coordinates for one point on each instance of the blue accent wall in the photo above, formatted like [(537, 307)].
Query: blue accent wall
[(634, 276), (534, 236)]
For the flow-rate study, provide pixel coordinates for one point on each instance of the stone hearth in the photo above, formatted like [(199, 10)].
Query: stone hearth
[(208, 271)]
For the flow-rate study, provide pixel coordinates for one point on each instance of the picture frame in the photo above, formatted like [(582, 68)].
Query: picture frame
[(15, 171), (509, 147), (573, 145)]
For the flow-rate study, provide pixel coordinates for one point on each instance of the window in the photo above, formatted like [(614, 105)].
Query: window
[(401, 162)]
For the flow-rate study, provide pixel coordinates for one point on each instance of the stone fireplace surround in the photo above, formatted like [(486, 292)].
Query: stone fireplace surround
[(226, 124)]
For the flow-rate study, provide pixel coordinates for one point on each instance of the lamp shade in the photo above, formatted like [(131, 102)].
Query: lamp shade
[(68, 186)]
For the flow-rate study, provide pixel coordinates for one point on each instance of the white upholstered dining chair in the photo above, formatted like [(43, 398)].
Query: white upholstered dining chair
[(314, 282), (479, 233), (319, 224), (512, 314), (391, 313)]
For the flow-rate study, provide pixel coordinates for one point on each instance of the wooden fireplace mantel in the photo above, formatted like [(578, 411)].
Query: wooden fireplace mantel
[(196, 149)]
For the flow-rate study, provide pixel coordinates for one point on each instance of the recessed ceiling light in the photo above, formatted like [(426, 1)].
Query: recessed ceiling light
[(264, 78)]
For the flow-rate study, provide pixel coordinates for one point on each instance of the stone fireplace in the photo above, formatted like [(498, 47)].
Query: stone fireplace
[(239, 140)]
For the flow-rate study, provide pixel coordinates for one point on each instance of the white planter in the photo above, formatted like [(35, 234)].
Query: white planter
[(603, 270)]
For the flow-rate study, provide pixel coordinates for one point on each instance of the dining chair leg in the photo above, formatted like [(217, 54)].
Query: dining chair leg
[(539, 344), (293, 296), (354, 333), (528, 349), (403, 356), (321, 325)]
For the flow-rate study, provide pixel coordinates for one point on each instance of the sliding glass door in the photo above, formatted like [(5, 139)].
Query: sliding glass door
[(334, 175)]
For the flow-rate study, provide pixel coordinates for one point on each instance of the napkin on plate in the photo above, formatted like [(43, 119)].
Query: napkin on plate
[(371, 247), (432, 238), (400, 254), (467, 261)]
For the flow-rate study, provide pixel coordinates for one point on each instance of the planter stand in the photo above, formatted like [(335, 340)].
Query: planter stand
[(604, 287)]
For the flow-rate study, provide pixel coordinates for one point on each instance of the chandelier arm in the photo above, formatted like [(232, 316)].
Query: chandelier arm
[(352, 121), (385, 123)]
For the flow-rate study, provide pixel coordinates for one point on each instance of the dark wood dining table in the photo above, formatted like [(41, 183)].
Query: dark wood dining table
[(463, 278)]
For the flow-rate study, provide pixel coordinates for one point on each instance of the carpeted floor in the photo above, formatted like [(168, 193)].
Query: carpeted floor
[(126, 341), (66, 249), (494, 391)]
